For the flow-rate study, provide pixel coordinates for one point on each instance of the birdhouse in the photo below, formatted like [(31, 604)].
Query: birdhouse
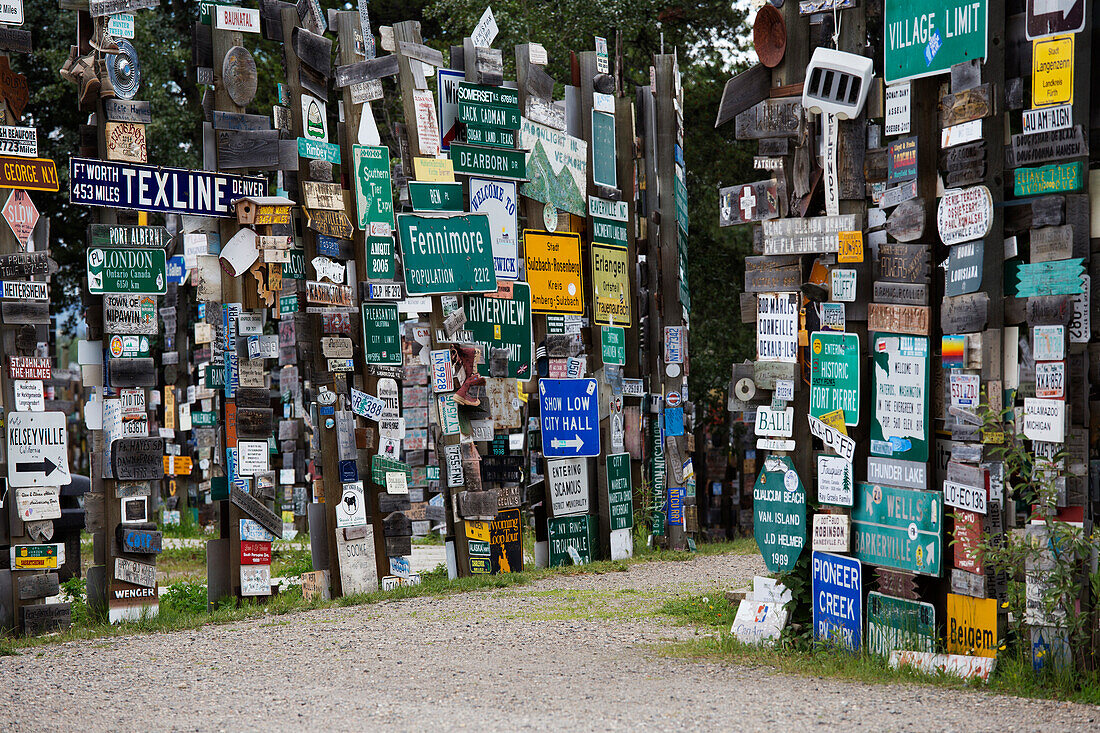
[(263, 210)]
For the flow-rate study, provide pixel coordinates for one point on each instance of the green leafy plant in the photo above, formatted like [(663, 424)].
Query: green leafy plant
[(74, 591), (184, 598)]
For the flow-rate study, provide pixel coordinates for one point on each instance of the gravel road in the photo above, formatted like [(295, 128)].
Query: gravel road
[(565, 653)]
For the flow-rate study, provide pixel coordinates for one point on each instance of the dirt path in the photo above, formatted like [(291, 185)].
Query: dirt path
[(565, 653)]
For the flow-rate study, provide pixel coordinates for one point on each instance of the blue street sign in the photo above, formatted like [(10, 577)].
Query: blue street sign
[(838, 600), (570, 413), (177, 271)]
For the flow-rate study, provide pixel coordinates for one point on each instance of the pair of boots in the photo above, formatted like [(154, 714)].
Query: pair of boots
[(89, 73), (466, 357)]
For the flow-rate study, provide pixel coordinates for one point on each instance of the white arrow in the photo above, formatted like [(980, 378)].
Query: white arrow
[(1045, 7), (577, 442)]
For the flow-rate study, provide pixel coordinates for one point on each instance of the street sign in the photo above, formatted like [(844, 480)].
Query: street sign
[(373, 189), (570, 540), (435, 196), (488, 106), (779, 514), (21, 215), (117, 270), (898, 528), (103, 235), (1052, 71), (928, 37), (494, 162), (570, 415), (1054, 17), (447, 254), (901, 418), (553, 264), (497, 200), (21, 141), (611, 285), (834, 374), (38, 449), (619, 491), (613, 345), (609, 221), (496, 322), (838, 600), (895, 624), (972, 626), (567, 486), (381, 333)]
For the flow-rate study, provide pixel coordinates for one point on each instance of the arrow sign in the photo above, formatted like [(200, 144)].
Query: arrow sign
[(570, 416), (37, 449), (1054, 17)]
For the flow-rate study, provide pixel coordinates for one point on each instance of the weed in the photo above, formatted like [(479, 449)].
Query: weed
[(184, 598)]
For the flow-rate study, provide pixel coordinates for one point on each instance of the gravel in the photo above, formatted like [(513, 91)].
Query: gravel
[(568, 652)]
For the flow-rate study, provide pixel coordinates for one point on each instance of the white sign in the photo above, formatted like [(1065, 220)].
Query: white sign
[(254, 531), (897, 109), (1050, 379), (835, 481), (11, 12), (29, 396), (567, 482), (137, 573), (38, 449), (964, 390), (831, 533), (1080, 326), (485, 32), (964, 214), (366, 405), (966, 132), (22, 141), (427, 127), (121, 25), (352, 509), (784, 390), (776, 423), (1045, 420), (314, 118), (1048, 119), (252, 457), (777, 327), (961, 496), (843, 285), (758, 621), (397, 482), (498, 200), (1048, 343), (35, 503), (255, 580), (833, 438), (901, 401), (443, 377), (233, 18)]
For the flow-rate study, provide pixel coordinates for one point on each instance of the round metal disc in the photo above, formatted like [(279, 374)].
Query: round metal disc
[(124, 70), (239, 75), (769, 36), (744, 389)]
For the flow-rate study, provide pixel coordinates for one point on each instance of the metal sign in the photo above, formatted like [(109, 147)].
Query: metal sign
[(964, 214), (233, 18), (901, 421), (567, 486), (103, 235), (112, 270), (495, 162), (835, 481), (972, 626), (899, 624), (609, 221), (21, 141), (149, 188), (38, 453), (964, 268), (834, 374), (553, 263), (381, 334), (496, 322), (777, 327), (749, 202), (570, 540), (1052, 71), (557, 163), (373, 188), (611, 286), (497, 200), (447, 254), (928, 37), (779, 514), (1054, 17), (488, 106), (570, 417), (21, 215), (898, 528), (619, 491), (435, 196), (837, 584)]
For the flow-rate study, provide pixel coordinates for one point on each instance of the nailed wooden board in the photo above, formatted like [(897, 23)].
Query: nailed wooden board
[(361, 71), (37, 585), (253, 149), (742, 92), (965, 313), (912, 319), (907, 263), (770, 118), (138, 459), (313, 50)]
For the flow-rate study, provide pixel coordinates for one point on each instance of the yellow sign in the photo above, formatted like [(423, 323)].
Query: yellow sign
[(440, 170), (851, 247), (35, 557), (971, 626), (611, 286), (1052, 71), (177, 465), (477, 530), (170, 408), (554, 271), (834, 419)]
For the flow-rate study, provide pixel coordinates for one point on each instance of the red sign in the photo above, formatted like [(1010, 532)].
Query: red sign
[(21, 215), (968, 533), (255, 553), (29, 367)]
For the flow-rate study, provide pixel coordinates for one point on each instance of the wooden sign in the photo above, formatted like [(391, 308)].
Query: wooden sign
[(327, 196), (1043, 146), (330, 223), (1062, 277), (99, 8), (15, 313), (257, 511), (1048, 179), (14, 89), (770, 118), (45, 618), (138, 540), (253, 149), (965, 313), (967, 105), (16, 40), (906, 222), (741, 92), (137, 573), (1049, 310), (963, 165), (239, 75), (138, 459), (255, 422), (964, 214), (818, 234), (364, 71), (892, 318), (749, 202), (964, 268), (240, 121), (125, 141), (38, 585), (262, 210), (329, 294), (138, 372), (897, 583), (906, 263), (29, 174), (1051, 243), (773, 274), (313, 50), (23, 264)]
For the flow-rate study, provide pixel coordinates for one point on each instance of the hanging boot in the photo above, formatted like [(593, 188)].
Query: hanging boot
[(466, 357)]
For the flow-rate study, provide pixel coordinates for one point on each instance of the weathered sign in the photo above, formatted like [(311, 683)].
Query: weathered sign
[(779, 514), (834, 374), (898, 528)]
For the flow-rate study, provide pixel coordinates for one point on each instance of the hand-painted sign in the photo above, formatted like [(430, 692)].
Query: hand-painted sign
[(779, 514), (1048, 179), (897, 624), (898, 528), (749, 202), (901, 422), (149, 188), (834, 374), (619, 492), (1060, 277), (37, 449), (972, 626), (503, 323), (964, 214), (837, 584), (569, 411), (815, 234), (447, 254), (928, 37), (373, 190), (556, 167), (777, 326)]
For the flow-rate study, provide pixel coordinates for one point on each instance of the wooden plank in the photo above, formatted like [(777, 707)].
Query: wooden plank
[(37, 585), (255, 422), (1049, 310), (1025, 214), (363, 71), (16, 40), (138, 459), (906, 222), (965, 313), (420, 52), (1051, 243), (314, 51), (139, 539), (971, 104), (253, 149), (743, 91), (240, 121), (44, 618), (901, 293), (257, 511), (139, 372), (778, 280), (770, 118), (891, 318), (17, 312)]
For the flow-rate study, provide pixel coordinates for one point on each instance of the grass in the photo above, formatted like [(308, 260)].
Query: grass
[(713, 615), (183, 606)]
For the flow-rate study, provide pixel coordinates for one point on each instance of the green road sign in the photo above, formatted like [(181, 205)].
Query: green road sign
[(490, 162), (613, 345), (296, 268), (620, 493), (432, 196), (380, 466), (503, 323), (902, 418), (898, 528), (380, 259), (680, 197), (491, 136), (834, 374), (204, 419), (925, 37), (317, 150), (899, 624), (488, 106), (570, 532), (447, 254), (603, 150), (1048, 179), (114, 270), (479, 547), (779, 514), (373, 190), (609, 221), (657, 471), (288, 304), (381, 333)]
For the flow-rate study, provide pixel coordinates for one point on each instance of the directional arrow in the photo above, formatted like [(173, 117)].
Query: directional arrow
[(45, 467), (577, 443), (1045, 7)]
